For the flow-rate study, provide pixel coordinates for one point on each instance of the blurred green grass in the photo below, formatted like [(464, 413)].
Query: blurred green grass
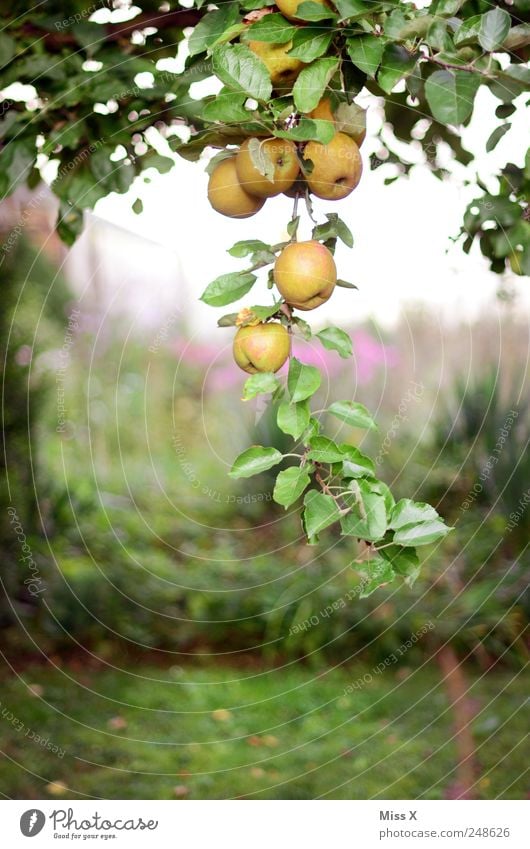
[(204, 733)]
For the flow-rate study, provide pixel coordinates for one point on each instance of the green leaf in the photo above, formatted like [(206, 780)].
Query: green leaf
[(292, 227), (293, 418), (303, 327), (437, 35), (320, 512), (450, 95), (324, 450), (335, 227), (228, 107), (407, 512), (211, 27), (353, 414), (404, 561), (302, 381), (496, 136), (309, 129), (468, 31), (272, 28), (519, 36), (311, 83), (350, 9), (255, 460), (70, 222), (494, 28), (511, 82), (263, 313), (250, 246), (396, 64), (376, 573), (228, 288), (356, 464), (163, 164), (335, 339), (229, 320), (138, 206), (290, 484), (350, 119), (367, 519), (309, 11), (263, 383), (17, 159), (239, 68), (261, 159), (310, 42), (345, 285), (422, 534), (366, 52), (447, 8)]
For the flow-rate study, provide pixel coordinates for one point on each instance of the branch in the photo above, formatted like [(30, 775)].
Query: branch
[(453, 65)]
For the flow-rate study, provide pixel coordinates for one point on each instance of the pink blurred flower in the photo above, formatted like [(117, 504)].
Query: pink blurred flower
[(221, 373)]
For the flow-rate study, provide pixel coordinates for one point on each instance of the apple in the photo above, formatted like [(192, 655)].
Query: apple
[(283, 69), (337, 167), (305, 274), (283, 156), (226, 194), (261, 347), (323, 111), (289, 8)]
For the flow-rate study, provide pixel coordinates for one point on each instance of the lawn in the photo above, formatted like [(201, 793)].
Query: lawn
[(201, 732)]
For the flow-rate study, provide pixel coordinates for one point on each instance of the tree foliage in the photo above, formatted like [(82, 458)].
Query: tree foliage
[(426, 64)]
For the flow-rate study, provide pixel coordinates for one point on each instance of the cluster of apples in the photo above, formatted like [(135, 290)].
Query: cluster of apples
[(237, 187), (305, 273)]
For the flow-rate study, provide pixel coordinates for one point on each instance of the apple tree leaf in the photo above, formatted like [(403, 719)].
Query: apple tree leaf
[(255, 460)]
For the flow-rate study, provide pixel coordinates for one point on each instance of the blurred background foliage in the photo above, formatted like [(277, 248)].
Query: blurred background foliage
[(143, 541)]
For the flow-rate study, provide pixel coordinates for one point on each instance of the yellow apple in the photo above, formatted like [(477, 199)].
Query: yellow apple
[(323, 111), (283, 156), (261, 347), (305, 274), (226, 194), (337, 167), (289, 8), (283, 69)]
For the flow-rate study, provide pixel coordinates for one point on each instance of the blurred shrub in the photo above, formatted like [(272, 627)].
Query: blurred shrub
[(153, 547), (31, 320)]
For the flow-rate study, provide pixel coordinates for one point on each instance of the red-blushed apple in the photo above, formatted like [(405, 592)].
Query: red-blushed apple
[(261, 347)]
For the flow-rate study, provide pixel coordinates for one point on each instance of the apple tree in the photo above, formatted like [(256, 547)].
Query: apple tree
[(281, 117)]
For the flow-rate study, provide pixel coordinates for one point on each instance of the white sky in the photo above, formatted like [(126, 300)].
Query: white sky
[(402, 252)]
